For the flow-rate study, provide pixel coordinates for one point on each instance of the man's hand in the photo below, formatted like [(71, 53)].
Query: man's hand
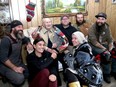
[(18, 69)]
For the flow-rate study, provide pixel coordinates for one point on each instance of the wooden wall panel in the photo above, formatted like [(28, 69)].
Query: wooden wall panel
[(56, 20), (111, 13), (102, 5), (91, 12)]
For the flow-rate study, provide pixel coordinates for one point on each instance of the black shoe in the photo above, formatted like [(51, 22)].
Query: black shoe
[(107, 78), (113, 74), (4, 80)]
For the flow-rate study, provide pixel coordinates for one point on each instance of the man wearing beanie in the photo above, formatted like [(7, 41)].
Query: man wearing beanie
[(101, 41), (11, 65)]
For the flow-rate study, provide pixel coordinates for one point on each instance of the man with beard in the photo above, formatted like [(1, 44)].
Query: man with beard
[(81, 24), (11, 65), (100, 39)]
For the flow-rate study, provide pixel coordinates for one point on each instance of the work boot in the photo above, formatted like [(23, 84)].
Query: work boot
[(74, 84), (113, 74), (107, 78)]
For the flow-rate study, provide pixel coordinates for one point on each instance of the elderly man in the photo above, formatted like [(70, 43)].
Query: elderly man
[(53, 37), (11, 65), (81, 24), (100, 39)]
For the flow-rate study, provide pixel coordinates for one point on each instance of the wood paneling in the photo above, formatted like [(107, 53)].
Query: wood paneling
[(111, 13), (19, 12)]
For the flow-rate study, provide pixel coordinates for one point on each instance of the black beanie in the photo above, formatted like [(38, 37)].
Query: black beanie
[(15, 23)]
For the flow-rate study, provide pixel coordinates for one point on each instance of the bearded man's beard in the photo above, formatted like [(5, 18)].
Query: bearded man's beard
[(80, 23), (100, 24), (99, 27), (19, 34)]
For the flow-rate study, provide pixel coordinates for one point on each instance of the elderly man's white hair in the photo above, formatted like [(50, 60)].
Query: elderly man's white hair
[(46, 19), (80, 36)]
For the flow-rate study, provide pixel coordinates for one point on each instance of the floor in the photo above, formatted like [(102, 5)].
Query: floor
[(112, 84)]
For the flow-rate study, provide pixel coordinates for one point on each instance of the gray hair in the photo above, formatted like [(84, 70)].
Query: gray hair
[(80, 36)]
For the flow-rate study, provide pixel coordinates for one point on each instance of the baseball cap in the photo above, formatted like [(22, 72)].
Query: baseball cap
[(15, 23), (101, 15)]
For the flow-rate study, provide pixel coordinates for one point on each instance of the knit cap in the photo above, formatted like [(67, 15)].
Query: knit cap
[(15, 23)]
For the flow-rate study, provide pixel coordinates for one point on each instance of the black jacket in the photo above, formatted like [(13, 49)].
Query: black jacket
[(36, 64)]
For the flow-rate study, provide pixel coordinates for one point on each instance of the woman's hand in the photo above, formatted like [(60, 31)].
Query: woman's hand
[(52, 77), (54, 55), (54, 45)]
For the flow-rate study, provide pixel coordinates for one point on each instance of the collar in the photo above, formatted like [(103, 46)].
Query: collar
[(45, 30)]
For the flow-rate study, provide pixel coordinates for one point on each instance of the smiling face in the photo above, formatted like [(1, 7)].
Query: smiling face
[(18, 31), (47, 23), (100, 21), (75, 40), (65, 21), (39, 46)]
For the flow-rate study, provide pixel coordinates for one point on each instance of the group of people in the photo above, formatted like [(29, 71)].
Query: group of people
[(49, 46)]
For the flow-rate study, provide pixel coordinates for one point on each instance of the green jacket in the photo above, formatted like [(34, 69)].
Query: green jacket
[(103, 36)]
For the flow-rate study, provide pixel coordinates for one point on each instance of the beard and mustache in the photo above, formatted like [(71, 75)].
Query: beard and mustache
[(19, 34), (80, 22), (100, 26)]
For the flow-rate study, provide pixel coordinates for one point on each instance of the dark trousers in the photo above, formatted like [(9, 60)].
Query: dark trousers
[(17, 79), (60, 57), (105, 66), (42, 80)]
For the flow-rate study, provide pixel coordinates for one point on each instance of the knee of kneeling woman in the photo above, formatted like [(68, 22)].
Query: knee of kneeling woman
[(45, 72)]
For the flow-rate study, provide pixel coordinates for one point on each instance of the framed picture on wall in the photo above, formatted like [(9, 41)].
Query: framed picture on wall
[(113, 1), (54, 8)]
